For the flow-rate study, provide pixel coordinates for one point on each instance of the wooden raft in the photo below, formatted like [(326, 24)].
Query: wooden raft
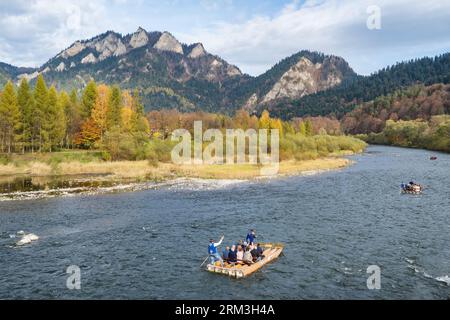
[(271, 253)]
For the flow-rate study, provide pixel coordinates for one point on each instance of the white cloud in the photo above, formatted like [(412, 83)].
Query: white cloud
[(254, 35), (33, 31), (335, 27)]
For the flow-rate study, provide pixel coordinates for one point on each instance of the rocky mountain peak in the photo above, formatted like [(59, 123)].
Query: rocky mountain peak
[(306, 77), (139, 38), (73, 50), (111, 45), (197, 51), (168, 42)]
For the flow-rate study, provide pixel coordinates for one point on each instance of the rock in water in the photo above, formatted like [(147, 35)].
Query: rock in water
[(33, 237), (27, 239)]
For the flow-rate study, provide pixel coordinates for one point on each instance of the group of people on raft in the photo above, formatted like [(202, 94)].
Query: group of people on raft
[(242, 253), (411, 187)]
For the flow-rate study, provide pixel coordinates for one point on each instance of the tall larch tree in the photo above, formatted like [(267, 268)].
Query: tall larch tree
[(309, 128), (139, 122), (64, 101), (88, 99), (302, 128), (9, 118), (58, 131), (138, 106), (73, 117), (264, 121), (39, 133), (100, 110), (128, 115), (26, 105), (114, 114), (50, 125)]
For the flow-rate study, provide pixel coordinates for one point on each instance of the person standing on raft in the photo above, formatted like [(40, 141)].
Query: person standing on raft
[(251, 236), (213, 253)]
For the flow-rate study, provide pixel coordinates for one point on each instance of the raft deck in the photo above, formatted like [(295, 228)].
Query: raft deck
[(271, 253)]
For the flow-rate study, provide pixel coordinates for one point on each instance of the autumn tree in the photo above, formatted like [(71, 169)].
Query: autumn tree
[(114, 114), (9, 118), (138, 107), (56, 128), (40, 119), (100, 110), (88, 99), (309, 128), (72, 110), (302, 128), (25, 103), (88, 135), (264, 121)]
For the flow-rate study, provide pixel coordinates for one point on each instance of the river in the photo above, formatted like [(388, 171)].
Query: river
[(149, 244)]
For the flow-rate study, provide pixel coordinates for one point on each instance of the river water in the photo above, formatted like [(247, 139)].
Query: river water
[(149, 244)]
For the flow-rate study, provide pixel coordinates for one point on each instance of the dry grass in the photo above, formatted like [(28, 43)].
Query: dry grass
[(296, 167), (39, 169), (120, 169), (9, 169), (140, 170)]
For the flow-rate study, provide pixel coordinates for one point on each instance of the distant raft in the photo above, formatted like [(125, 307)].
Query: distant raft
[(271, 253), (412, 189)]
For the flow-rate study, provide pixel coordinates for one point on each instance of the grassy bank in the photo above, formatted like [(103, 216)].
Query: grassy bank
[(297, 154), (143, 170)]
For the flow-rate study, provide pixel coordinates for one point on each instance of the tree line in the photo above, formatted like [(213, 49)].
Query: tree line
[(113, 121), (433, 134), (416, 102), (43, 119)]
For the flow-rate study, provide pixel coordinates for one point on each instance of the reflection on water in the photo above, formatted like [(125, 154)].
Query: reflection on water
[(33, 188), (27, 188), (14, 184)]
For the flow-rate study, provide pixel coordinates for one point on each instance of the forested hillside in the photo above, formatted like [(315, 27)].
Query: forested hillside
[(416, 102), (344, 98), (260, 86)]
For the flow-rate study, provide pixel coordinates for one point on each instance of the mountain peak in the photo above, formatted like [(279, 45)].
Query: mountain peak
[(167, 42), (139, 38), (197, 51), (140, 29)]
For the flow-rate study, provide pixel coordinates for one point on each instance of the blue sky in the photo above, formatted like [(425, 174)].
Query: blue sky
[(253, 34)]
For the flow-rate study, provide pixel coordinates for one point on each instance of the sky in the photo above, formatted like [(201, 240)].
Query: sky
[(252, 34)]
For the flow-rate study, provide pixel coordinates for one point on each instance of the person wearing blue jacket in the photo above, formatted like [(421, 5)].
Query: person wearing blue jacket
[(213, 252), (251, 236)]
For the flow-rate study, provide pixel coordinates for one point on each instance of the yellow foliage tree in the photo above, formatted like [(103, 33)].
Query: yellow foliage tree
[(100, 109), (277, 124), (127, 115), (264, 121)]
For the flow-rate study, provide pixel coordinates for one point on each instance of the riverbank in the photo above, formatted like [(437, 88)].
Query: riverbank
[(144, 171)]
